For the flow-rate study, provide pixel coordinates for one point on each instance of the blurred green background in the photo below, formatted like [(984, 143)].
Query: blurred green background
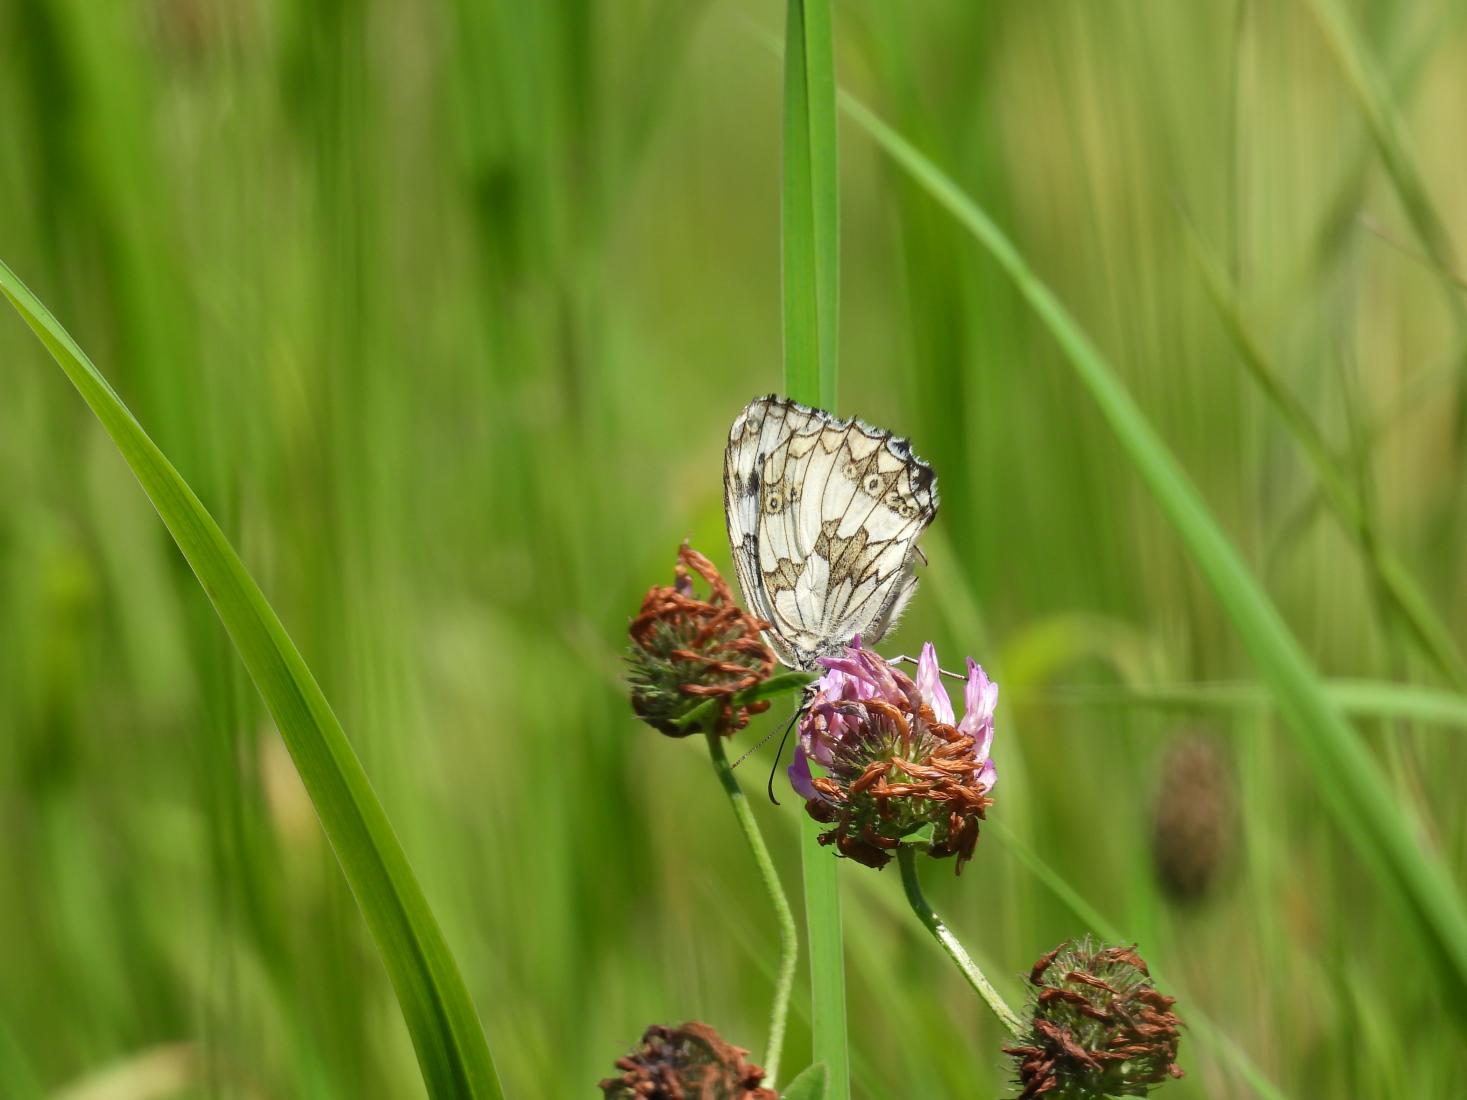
[(444, 311)]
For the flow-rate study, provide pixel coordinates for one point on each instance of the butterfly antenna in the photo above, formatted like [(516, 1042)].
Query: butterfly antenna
[(780, 751), (750, 752)]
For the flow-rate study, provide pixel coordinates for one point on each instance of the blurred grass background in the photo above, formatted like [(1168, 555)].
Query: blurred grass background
[(444, 311)]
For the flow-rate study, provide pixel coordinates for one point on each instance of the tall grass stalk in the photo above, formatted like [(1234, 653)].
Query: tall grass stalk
[(1388, 133), (445, 1029), (1381, 827), (789, 937), (810, 222), (1399, 589)]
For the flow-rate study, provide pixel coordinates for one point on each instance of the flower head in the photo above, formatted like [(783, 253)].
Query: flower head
[(686, 650), (1193, 819), (897, 760), (1099, 1026), (686, 1063)]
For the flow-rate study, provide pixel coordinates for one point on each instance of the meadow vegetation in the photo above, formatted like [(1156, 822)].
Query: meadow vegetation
[(443, 311)]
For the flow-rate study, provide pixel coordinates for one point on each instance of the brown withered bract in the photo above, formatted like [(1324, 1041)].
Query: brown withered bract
[(691, 1062), (686, 650)]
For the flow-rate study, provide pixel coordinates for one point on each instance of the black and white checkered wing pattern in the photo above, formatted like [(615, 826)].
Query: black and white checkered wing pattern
[(823, 521)]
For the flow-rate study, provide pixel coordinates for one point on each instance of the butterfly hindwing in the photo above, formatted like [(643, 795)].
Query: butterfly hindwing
[(823, 519)]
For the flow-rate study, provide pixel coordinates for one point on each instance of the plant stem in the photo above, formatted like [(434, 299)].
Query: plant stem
[(810, 236), (907, 856), (789, 940)]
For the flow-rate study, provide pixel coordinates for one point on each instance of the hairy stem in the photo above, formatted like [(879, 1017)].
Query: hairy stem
[(907, 856), (789, 940)]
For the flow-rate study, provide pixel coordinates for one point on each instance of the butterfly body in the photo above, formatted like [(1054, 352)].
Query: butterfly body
[(823, 520)]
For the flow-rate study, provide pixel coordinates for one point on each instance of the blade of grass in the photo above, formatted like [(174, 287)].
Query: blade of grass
[(1359, 698), (810, 205), (440, 1016), (1383, 830), (811, 209), (1388, 131), (1427, 630)]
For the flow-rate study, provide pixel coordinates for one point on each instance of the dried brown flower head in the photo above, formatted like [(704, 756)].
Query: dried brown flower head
[(1099, 1026), (686, 650), (1192, 819), (686, 1063)]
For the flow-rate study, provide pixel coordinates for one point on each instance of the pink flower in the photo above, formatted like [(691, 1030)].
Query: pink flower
[(896, 758)]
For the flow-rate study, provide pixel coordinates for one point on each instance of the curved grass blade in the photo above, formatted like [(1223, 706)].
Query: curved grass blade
[(1358, 698), (1372, 93), (445, 1029), (810, 205), (1382, 829), (1425, 628), (1388, 131)]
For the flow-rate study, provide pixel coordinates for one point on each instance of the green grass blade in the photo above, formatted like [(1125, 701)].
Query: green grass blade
[(1388, 132), (1358, 698), (827, 957), (811, 288), (1366, 809), (445, 1029), (810, 206), (1425, 628)]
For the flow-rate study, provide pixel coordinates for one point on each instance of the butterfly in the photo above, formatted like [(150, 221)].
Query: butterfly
[(823, 521)]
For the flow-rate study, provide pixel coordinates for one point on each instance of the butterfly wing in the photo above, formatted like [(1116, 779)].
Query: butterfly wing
[(823, 520)]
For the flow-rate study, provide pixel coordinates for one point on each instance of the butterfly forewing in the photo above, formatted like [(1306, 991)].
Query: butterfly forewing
[(823, 521)]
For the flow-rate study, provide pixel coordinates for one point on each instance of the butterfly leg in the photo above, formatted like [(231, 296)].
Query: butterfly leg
[(903, 659)]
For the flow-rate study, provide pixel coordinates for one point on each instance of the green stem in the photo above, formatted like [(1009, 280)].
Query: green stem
[(907, 856), (811, 264), (789, 939)]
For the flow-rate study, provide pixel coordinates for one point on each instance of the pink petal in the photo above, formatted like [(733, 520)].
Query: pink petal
[(929, 684), (987, 775), (820, 728), (800, 778), (878, 674), (980, 696)]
